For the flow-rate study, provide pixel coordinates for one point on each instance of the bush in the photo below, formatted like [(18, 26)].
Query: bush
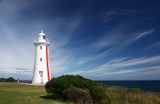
[(67, 84), (78, 95), (98, 95), (10, 79)]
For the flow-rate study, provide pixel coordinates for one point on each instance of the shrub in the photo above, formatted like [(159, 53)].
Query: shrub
[(78, 95), (67, 84), (10, 79), (98, 95)]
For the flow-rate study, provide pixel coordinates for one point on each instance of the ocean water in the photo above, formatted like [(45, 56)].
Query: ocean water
[(153, 86)]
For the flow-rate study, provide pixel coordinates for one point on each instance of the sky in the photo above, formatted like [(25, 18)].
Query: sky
[(98, 39)]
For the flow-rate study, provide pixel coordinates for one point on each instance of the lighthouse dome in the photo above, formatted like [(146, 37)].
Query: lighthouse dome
[(41, 33)]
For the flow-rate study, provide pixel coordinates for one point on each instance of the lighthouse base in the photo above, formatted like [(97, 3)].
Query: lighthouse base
[(37, 84)]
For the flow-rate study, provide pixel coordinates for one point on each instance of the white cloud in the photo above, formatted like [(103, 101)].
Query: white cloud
[(145, 33), (119, 39), (123, 66), (138, 61), (132, 70), (157, 44), (90, 58)]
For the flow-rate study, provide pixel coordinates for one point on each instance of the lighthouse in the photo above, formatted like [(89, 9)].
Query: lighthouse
[(41, 73)]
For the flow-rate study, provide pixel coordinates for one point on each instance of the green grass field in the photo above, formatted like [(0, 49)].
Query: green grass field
[(14, 93)]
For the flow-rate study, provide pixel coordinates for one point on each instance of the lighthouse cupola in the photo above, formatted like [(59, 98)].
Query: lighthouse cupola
[(41, 37)]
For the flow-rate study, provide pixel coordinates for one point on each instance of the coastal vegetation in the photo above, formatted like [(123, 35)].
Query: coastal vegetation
[(10, 79), (77, 89), (120, 95), (16, 93)]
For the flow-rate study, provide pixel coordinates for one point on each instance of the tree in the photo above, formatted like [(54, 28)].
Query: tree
[(10, 79)]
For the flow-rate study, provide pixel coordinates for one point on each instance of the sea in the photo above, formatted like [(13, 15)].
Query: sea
[(146, 85)]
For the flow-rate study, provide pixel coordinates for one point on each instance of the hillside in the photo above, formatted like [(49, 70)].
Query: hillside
[(14, 93)]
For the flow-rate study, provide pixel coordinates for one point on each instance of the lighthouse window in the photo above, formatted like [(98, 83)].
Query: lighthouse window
[(41, 59), (43, 37), (40, 47)]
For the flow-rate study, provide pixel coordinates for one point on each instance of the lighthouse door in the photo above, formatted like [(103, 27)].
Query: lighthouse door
[(41, 75)]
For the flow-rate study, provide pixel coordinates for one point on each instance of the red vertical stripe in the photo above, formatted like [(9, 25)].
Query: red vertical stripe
[(48, 72)]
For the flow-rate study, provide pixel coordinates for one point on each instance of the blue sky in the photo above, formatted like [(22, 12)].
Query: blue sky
[(98, 39)]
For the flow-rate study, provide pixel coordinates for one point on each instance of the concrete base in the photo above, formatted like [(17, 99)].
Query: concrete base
[(32, 84), (35, 84)]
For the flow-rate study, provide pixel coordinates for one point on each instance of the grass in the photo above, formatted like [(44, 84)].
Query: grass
[(14, 93), (119, 95)]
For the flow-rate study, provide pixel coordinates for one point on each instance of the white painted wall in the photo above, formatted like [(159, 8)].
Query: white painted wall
[(40, 65)]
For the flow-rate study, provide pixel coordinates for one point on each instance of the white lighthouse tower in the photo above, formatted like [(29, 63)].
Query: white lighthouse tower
[(41, 72)]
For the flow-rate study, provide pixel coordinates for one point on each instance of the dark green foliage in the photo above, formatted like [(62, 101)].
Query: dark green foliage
[(98, 95), (78, 95), (10, 79), (79, 86)]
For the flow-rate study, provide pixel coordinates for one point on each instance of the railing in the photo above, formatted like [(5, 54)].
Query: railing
[(46, 40)]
